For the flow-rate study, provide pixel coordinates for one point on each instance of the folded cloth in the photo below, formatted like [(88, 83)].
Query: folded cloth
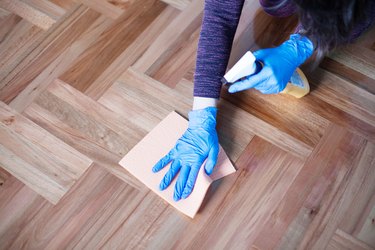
[(140, 160)]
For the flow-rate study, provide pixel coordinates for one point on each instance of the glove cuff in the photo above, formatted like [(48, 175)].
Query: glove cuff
[(205, 118), (304, 47)]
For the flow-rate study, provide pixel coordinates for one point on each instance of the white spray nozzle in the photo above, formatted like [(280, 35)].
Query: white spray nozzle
[(244, 67)]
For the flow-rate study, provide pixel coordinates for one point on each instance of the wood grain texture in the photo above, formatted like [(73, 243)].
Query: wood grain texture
[(81, 142), (59, 65), (343, 95), (47, 7), (178, 4), (263, 182), (103, 7), (314, 187), (23, 38), (172, 70), (19, 204), (50, 47), (28, 12), (348, 73), (65, 4), (339, 203), (306, 166), (130, 54), (174, 33), (286, 113), (111, 44), (356, 57), (4, 175), (48, 166), (89, 127), (82, 215), (7, 21), (342, 240)]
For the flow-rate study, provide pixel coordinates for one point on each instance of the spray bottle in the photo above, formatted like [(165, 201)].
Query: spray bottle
[(298, 86)]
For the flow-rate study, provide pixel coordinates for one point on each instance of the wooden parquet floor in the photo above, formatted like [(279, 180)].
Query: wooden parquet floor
[(82, 81)]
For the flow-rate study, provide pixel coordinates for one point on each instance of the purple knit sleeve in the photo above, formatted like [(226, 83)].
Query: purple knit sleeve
[(219, 25)]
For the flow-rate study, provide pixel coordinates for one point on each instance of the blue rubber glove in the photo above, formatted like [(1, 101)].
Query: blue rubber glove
[(278, 66), (199, 142)]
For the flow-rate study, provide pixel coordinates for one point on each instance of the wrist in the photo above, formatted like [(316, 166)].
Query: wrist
[(204, 102), (205, 118)]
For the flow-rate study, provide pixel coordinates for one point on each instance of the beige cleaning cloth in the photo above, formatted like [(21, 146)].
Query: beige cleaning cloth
[(156, 144)]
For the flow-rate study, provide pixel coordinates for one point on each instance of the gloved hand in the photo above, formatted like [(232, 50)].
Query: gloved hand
[(278, 66), (199, 142)]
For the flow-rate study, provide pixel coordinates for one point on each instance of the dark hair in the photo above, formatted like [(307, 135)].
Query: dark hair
[(328, 23)]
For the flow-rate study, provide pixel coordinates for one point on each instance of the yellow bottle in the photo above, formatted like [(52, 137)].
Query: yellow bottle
[(298, 86)]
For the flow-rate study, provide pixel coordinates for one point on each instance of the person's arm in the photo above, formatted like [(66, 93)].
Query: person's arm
[(220, 21), (200, 141)]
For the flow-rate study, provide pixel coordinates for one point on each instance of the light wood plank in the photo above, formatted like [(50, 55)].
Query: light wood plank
[(122, 4), (359, 58), (36, 79), (48, 166), (105, 118), (339, 201), (367, 233), (7, 21), (40, 137), (130, 54), (23, 38), (103, 7), (131, 234), (29, 13), (47, 7), (90, 198), (342, 94), (313, 190), (78, 140), (65, 4), (286, 113), (180, 62), (169, 37), (118, 37), (365, 228), (87, 126), (261, 185), (178, 4), (358, 217), (342, 240), (19, 204), (349, 74), (38, 180), (107, 207), (50, 46)]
